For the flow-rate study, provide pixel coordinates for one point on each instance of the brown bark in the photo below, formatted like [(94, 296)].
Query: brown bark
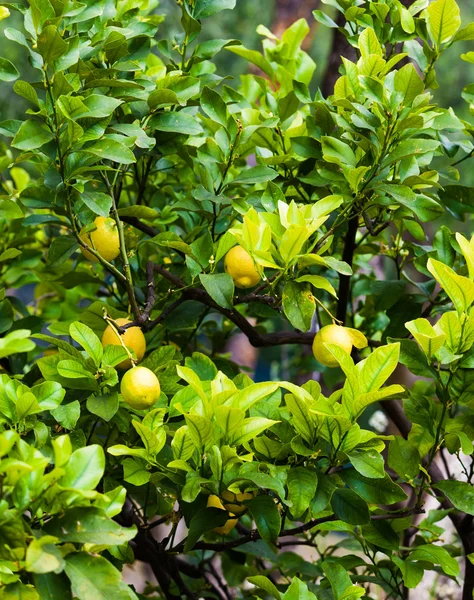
[(289, 11)]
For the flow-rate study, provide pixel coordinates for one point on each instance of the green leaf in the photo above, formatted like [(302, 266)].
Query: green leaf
[(299, 305), (265, 584), (318, 282), (369, 43), (88, 525), (369, 462), (250, 428), (378, 367), (60, 250), (403, 458), (204, 520), (408, 83), (104, 406), (72, 369), (10, 210), (98, 202), (413, 358), (459, 289), (207, 8), (460, 493), (409, 148), (374, 491), (437, 555), (67, 414), (220, 286), (444, 20), (302, 485), (200, 430), (182, 445), (84, 469), (425, 334), (350, 507), (49, 394), (176, 122), (214, 106), (8, 71), (93, 576), (254, 57), (19, 591), (266, 515), (258, 174), (51, 45), (52, 586), (109, 149), (84, 336), (42, 556), (134, 470), (335, 151), (32, 135), (412, 572)]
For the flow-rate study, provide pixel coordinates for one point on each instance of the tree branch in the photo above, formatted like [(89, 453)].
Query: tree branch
[(345, 280), (256, 338), (135, 222)]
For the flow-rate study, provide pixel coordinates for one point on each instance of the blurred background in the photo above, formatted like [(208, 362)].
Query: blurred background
[(241, 23)]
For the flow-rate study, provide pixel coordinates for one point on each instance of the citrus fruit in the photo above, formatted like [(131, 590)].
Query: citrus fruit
[(104, 239), (133, 338), (231, 500), (240, 266), (331, 334), (140, 388), (214, 502)]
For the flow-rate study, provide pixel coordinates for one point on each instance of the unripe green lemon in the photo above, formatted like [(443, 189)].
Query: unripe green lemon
[(214, 502), (331, 334), (104, 239), (240, 266), (140, 388)]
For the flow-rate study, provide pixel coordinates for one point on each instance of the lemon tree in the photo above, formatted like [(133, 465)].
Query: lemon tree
[(154, 213)]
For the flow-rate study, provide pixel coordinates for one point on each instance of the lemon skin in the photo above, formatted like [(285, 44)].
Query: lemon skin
[(214, 502), (140, 388), (231, 499), (105, 239), (133, 338), (240, 266), (331, 334)]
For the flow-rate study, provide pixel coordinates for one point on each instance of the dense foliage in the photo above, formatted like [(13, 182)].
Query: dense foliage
[(135, 172)]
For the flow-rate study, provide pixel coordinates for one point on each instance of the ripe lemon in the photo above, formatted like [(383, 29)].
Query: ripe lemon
[(240, 266), (331, 334), (214, 501), (133, 338), (232, 498), (105, 239), (140, 388)]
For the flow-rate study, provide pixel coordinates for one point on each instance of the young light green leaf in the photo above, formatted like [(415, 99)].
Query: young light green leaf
[(84, 336)]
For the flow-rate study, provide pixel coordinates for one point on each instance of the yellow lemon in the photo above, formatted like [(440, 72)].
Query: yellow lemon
[(231, 500), (214, 501), (140, 388), (104, 239), (133, 338), (240, 266), (331, 334)]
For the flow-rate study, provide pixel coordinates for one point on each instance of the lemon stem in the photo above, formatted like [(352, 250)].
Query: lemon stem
[(334, 320)]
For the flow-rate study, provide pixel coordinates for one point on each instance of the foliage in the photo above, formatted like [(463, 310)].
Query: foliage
[(319, 192)]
